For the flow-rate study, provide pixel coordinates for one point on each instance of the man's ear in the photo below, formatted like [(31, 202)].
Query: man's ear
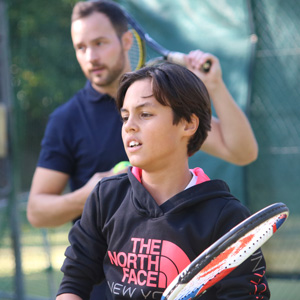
[(127, 40), (191, 127)]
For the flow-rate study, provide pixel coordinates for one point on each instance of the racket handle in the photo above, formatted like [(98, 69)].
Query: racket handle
[(178, 58)]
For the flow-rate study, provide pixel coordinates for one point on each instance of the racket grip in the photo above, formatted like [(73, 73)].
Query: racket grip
[(178, 58)]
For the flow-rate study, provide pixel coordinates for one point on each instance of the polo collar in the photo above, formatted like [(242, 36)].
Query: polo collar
[(93, 95)]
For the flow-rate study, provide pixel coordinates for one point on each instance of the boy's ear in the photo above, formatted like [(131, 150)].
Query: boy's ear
[(127, 40), (192, 126)]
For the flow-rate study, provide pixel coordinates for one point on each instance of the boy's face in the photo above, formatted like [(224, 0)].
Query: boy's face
[(150, 139)]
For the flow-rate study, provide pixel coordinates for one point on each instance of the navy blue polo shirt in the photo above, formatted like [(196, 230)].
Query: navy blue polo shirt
[(83, 136)]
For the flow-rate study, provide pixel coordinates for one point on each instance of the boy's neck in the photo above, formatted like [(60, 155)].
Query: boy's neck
[(164, 185)]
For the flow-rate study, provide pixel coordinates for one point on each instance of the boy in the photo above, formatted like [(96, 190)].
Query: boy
[(139, 230)]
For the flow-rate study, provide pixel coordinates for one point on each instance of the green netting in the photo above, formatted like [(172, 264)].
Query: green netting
[(44, 73), (275, 110)]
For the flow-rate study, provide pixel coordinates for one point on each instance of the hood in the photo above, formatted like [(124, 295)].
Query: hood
[(204, 190)]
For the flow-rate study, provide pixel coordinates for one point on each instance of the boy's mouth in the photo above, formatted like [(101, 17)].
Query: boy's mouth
[(134, 144)]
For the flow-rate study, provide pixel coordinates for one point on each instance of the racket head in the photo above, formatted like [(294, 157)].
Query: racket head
[(137, 52), (228, 252), (142, 40)]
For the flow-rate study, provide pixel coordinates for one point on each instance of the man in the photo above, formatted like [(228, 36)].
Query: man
[(82, 140)]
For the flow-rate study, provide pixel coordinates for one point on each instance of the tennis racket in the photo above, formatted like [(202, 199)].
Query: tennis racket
[(228, 252), (137, 53)]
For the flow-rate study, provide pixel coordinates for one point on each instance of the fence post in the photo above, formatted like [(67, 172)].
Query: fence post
[(9, 191)]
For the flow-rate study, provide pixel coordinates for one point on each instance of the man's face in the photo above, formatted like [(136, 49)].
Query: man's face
[(99, 51)]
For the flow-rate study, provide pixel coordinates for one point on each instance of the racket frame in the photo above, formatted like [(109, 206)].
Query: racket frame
[(222, 244)]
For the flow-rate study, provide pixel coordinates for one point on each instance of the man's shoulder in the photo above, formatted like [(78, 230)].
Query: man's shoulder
[(70, 107), (71, 103)]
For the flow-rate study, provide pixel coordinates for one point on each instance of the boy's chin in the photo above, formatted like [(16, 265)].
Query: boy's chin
[(137, 164), (141, 163)]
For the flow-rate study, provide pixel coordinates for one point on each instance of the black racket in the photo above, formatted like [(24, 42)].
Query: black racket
[(228, 252), (137, 54)]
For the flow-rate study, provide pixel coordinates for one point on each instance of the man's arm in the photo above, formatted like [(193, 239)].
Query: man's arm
[(231, 137), (48, 207)]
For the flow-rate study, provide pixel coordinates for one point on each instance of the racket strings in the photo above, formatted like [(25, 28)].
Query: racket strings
[(137, 52)]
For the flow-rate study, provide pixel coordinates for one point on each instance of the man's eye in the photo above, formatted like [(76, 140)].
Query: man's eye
[(80, 48), (124, 119)]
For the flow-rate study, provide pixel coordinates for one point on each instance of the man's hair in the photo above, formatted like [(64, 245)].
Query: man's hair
[(112, 10), (179, 88)]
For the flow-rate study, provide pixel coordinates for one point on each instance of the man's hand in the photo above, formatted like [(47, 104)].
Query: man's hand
[(195, 61)]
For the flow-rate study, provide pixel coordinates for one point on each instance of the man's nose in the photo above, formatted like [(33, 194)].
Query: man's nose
[(91, 55)]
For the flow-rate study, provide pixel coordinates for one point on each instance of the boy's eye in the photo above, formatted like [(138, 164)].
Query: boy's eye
[(146, 115), (142, 115)]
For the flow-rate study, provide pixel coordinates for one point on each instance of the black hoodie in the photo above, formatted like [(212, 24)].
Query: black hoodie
[(140, 247)]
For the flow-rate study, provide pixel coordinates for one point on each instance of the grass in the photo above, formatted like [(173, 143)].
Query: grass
[(40, 265), (284, 289)]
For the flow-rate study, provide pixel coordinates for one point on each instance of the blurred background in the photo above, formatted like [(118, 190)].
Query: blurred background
[(258, 44)]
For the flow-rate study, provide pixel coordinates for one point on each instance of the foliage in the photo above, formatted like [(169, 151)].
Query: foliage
[(44, 70)]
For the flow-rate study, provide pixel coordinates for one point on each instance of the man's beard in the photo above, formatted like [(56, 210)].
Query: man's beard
[(113, 73)]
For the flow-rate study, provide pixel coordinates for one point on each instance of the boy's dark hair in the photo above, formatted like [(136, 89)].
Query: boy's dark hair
[(179, 88), (112, 10)]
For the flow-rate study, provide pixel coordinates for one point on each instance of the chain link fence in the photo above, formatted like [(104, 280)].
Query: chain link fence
[(274, 115)]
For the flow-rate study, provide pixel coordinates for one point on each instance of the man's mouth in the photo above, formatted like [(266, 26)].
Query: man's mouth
[(97, 69)]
